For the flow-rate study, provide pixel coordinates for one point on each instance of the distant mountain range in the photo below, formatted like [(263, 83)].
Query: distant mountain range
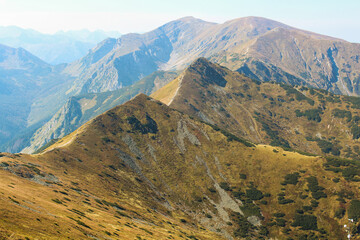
[(260, 48), (61, 47)]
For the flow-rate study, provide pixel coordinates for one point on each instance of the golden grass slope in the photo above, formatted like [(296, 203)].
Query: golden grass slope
[(143, 170)]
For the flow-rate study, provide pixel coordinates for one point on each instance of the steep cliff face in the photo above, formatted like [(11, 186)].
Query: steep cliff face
[(66, 120)]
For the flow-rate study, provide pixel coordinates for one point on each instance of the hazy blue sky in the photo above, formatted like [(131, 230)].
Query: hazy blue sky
[(331, 17)]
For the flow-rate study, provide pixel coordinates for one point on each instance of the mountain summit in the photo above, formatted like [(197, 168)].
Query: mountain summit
[(257, 47)]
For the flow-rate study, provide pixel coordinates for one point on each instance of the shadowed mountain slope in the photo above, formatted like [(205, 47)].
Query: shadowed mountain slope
[(23, 78)]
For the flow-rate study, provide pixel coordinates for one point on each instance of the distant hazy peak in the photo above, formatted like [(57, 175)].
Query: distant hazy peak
[(254, 19), (190, 19), (19, 58), (186, 21)]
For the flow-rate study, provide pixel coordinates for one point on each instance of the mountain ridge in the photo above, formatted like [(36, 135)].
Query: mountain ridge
[(161, 173), (266, 113)]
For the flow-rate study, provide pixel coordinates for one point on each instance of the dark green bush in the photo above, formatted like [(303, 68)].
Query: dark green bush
[(298, 95), (292, 178), (306, 222), (285, 201), (238, 194), (82, 224), (243, 226), (316, 190), (307, 208), (350, 172), (314, 203), (336, 180), (276, 140), (211, 189), (311, 114), (231, 137), (279, 215), (303, 196), (354, 210), (263, 231), (280, 222), (355, 130), (254, 194), (339, 213), (328, 147), (355, 101), (225, 186), (299, 211), (342, 114)]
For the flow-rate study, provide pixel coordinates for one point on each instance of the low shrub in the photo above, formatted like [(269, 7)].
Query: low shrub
[(354, 210), (254, 194), (291, 178), (305, 221)]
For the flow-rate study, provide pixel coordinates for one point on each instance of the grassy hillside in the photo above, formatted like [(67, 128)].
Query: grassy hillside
[(143, 170), (300, 118)]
